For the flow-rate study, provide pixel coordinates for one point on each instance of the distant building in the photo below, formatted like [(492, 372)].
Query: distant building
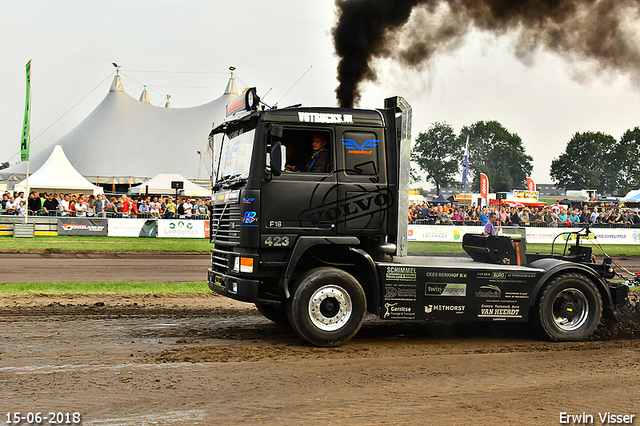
[(549, 190), (455, 188)]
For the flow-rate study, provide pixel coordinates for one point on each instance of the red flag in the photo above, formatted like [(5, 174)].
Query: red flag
[(531, 185), (484, 186)]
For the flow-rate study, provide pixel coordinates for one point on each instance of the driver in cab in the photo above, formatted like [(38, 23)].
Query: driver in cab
[(319, 162)]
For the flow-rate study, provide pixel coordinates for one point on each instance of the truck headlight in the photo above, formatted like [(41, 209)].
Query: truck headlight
[(242, 264), (246, 265)]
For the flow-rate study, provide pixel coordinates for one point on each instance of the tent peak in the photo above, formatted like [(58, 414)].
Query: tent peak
[(144, 96), (116, 85), (57, 173), (231, 88)]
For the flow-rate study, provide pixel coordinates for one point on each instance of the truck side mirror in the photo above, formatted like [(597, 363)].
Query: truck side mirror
[(275, 162), (276, 133)]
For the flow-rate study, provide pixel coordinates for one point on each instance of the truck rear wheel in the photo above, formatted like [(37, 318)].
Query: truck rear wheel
[(569, 309), (274, 313), (327, 306)]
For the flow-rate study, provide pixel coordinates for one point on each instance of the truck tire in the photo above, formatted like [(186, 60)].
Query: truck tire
[(569, 309), (273, 313), (327, 306)]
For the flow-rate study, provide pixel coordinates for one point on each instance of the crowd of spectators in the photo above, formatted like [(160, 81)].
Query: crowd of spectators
[(101, 206), (447, 214)]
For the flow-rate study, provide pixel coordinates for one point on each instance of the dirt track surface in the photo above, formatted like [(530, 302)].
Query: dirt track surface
[(102, 266), (204, 360)]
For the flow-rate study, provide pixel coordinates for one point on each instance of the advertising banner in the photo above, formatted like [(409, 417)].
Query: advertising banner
[(531, 184), (527, 195), (133, 228), (181, 228), (82, 226), (484, 186), (598, 235), (452, 234), (26, 126), (532, 234)]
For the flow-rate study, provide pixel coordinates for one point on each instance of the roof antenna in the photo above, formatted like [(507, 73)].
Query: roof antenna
[(265, 95), (285, 94), (117, 68)]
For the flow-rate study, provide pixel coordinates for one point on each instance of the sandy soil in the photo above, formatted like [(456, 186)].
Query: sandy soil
[(187, 360)]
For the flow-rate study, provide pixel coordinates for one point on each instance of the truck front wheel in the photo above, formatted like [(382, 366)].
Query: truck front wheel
[(569, 309), (327, 306)]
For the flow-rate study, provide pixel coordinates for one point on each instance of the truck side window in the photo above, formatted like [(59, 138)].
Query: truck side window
[(308, 151), (361, 152)]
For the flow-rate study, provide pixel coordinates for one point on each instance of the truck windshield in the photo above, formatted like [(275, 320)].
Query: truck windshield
[(235, 158)]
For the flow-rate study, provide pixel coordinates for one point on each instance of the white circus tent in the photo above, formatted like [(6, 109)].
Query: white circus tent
[(57, 174), (161, 185), (633, 195), (128, 141)]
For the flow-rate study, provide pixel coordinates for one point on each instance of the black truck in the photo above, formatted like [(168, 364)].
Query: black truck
[(318, 249)]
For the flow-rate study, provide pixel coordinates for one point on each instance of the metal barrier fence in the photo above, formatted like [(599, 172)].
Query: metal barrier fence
[(106, 215)]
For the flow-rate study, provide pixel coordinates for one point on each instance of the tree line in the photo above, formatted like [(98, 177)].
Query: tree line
[(595, 160), (591, 160)]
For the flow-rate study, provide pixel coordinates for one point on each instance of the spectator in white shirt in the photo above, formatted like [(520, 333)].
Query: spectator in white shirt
[(81, 207), (187, 208), (63, 205)]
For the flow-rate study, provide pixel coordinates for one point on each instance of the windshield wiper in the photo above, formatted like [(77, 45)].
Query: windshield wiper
[(237, 182), (226, 181)]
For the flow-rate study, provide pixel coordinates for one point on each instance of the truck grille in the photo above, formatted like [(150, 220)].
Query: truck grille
[(225, 224), (220, 260)]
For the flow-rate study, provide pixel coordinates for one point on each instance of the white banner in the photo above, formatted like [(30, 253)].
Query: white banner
[(132, 227), (450, 233), (602, 235), (533, 234), (181, 228)]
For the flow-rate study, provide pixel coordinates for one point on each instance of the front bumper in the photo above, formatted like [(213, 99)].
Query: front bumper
[(237, 288)]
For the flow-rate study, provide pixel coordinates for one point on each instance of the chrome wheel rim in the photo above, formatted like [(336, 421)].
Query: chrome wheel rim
[(570, 309), (330, 307)]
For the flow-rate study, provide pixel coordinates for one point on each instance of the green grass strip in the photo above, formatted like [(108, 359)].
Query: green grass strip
[(120, 244), (119, 288), (196, 287)]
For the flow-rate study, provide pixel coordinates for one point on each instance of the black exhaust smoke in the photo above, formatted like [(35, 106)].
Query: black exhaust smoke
[(600, 32)]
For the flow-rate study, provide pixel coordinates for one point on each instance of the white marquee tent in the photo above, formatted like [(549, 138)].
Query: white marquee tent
[(127, 141), (58, 175), (161, 185), (633, 195)]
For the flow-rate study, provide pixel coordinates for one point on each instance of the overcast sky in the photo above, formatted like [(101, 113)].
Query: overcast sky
[(184, 48)]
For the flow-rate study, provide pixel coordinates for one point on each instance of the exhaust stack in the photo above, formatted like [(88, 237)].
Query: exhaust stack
[(403, 138)]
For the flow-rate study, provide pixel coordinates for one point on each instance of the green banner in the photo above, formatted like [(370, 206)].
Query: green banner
[(26, 137)]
